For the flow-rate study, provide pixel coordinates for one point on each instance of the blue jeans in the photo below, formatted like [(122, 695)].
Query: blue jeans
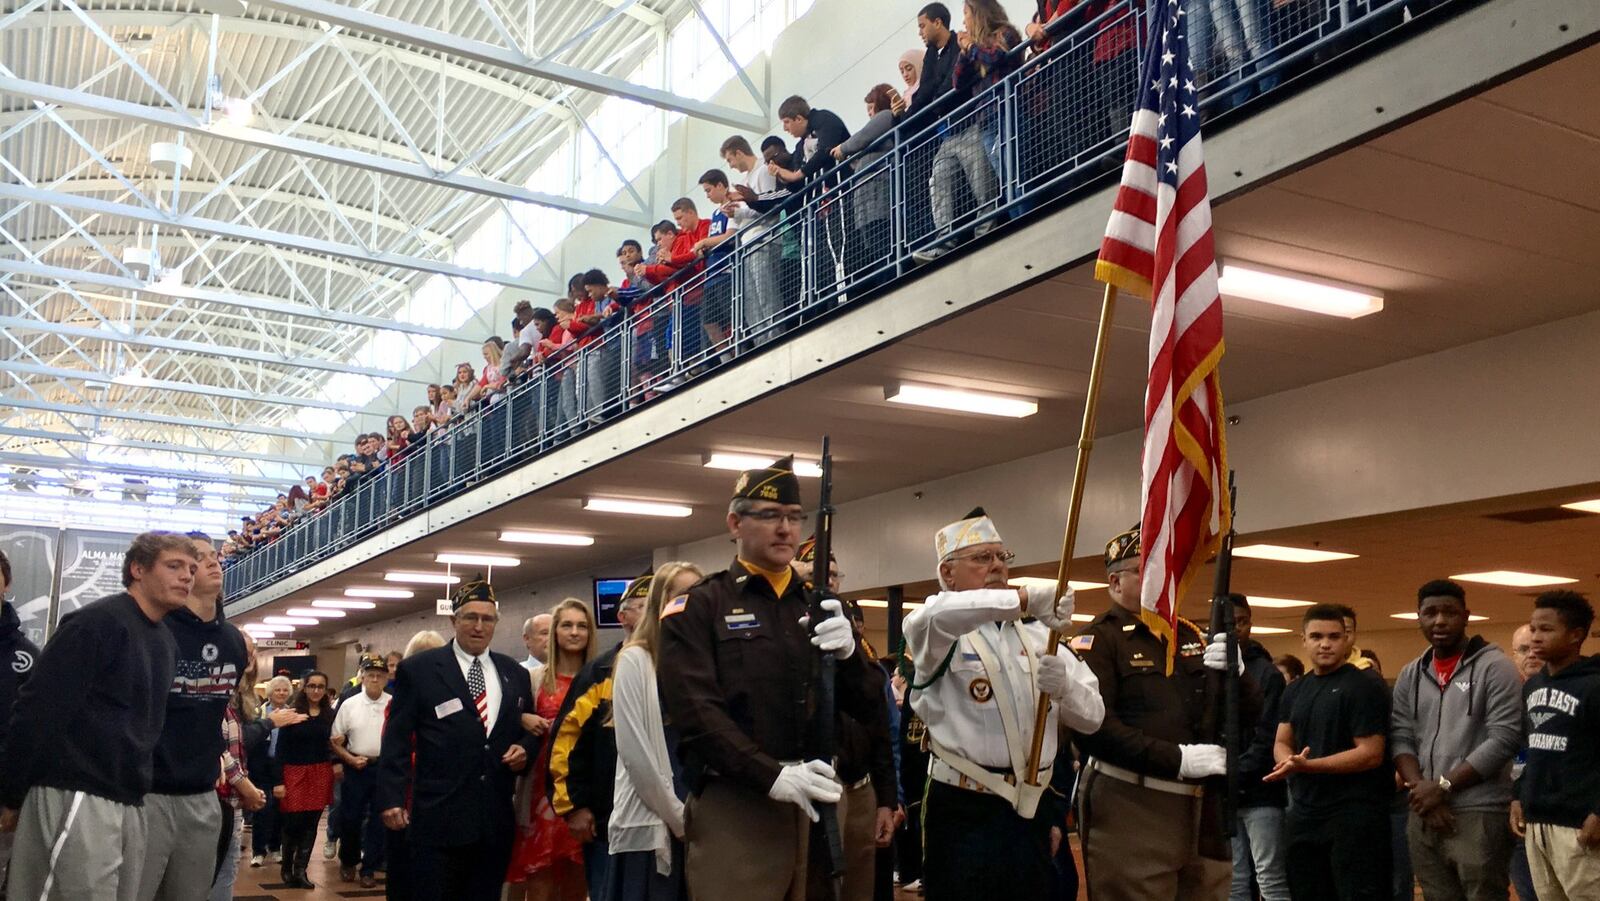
[(597, 868), (361, 832), (1521, 878), (1258, 850)]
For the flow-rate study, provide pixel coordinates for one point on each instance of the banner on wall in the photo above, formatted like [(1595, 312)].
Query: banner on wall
[(90, 567)]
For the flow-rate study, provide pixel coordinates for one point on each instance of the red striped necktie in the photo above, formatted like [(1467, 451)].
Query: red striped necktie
[(480, 693)]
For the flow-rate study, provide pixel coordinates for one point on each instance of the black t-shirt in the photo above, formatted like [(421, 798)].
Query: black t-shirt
[(1328, 714)]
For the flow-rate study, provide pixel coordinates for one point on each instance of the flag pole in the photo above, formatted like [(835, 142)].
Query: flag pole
[(1080, 475)]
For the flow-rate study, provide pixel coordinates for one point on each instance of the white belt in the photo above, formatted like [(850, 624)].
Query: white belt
[(1171, 787), (941, 771)]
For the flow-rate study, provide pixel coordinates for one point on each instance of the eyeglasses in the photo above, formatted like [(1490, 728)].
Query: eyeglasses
[(472, 619), (771, 516), (988, 558)]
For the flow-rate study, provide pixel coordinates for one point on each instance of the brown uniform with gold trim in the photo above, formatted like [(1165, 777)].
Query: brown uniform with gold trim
[(1141, 827), (737, 675)]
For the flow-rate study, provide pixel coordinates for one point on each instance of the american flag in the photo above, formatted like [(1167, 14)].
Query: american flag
[(1158, 245)]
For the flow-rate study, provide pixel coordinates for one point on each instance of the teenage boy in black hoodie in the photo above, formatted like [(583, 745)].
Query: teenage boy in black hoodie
[(1557, 806), (20, 653), (78, 757), (1259, 844), (183, 817)]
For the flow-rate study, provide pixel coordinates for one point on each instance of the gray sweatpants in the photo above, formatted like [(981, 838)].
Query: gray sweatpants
[(181, 846), (74, 846)]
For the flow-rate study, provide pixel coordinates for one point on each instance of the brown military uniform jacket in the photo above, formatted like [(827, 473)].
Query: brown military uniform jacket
[(1149, 714), (738, 675)]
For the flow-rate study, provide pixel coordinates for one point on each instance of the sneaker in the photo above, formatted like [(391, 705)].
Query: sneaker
[(330, 849), (914, 885), (275, 856), (983, 228), (257, 860), (930, 253)]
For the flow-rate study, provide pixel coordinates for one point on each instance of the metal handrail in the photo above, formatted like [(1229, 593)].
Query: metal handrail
[(790, 267)]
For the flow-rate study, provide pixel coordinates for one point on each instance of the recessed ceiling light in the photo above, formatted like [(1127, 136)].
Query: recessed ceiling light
[(524, 536), (637, 508), (1030, 581), (476, 560), (1584, 506), (289, 621), (267, 628), (317, 613), (336, 604), (740, 462), (1301, 292), (378, 593), (960, 400), (884, 605), (1267, 630), (1513, 579), (1280, 603), (1412, 616), (421, 578), (1284, 554)]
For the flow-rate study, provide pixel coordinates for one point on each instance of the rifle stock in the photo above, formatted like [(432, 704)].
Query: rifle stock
[(1223, 686), (827, 700)]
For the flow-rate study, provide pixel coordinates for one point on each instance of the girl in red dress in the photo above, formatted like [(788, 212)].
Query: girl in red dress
[(547, 861), (304, 772)]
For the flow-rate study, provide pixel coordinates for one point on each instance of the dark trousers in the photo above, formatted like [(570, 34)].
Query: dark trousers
[(472, 872), (399, 885), (265, 827), (361, 822), (976, 848), (299, 832), (597, 867), (1343, 857)]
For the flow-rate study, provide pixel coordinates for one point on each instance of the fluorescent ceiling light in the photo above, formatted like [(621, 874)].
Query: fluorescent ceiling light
[(1284, 554), (960, 400), (1276, 602), (476, 560), (637, 508), (1300, 292), (524, 536), (378, 593), (1030, 581), (1584, 506), (1267, 630), (421, 578), (289, 621), (884, 605), (336, 604), (1411, 616), (740, 462), (1513, 579), (267, 628), (315, 612)]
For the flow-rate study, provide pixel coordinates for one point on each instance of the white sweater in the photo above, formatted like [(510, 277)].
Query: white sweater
[(646, 812)]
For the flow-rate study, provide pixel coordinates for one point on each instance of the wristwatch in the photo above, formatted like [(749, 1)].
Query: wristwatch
[(1444, 783)]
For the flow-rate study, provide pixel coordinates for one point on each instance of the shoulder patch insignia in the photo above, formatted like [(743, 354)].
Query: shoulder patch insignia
[(675, 606), (1081, 642)]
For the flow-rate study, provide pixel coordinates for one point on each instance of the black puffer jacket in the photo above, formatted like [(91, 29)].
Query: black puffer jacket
[(17, 655)]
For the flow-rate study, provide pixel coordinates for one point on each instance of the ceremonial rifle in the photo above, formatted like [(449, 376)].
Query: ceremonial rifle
[(827, 701), (1226, 682)]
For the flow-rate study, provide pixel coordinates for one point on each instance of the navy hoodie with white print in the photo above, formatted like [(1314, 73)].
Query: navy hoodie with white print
[(1560, 782)]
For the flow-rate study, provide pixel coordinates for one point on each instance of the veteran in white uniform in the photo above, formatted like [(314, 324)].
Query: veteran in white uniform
[(979, 672)]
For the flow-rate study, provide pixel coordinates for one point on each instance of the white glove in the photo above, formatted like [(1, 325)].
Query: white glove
[(1053, 675), (803, 783), (1054, 610), (1217, 654), (1200, 761), (834, 633)]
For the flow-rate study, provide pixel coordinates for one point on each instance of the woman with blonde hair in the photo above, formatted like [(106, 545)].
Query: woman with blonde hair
[(646, 827), (426, 640), (546, 857)]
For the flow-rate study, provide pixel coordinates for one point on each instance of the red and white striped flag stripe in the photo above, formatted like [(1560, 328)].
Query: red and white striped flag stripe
[(1158, 244)]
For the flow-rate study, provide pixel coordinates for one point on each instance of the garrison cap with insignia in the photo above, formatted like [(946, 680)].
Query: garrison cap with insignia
[(776, 483), (475, 590), (638, 588), (974, 528), (373, 661), (807, 551), (1123, 547)]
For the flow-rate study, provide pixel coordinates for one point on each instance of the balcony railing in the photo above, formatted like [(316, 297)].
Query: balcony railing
[(1056, 125)]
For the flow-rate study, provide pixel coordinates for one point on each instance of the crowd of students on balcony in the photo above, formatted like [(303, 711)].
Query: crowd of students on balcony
[(674, 297)]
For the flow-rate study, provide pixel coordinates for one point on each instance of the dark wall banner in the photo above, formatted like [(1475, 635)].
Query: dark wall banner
[(31, 550), (90, 567)]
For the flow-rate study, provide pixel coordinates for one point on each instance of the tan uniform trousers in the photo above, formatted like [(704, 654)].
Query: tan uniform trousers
[(858, 821), (1141, 844), (1562, 869), (741, 845)]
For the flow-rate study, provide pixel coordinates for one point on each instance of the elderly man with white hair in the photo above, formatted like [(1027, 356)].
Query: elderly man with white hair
[(978, 648)]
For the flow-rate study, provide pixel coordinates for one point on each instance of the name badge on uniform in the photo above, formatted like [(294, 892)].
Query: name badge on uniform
[(442, 710), (1140, 660), (740, 620)]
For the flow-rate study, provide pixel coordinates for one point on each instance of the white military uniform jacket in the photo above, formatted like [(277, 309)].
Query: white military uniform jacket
[(979, 712)]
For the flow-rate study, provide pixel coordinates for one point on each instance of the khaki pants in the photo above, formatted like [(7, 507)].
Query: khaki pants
[(1563, 870), (858, 819), (1472, 863), (1140, 844), (74, 846), (741, 845)]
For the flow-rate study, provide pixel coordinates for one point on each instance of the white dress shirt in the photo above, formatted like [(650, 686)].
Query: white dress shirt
[(966, 719), (360, 721), (491, 682)]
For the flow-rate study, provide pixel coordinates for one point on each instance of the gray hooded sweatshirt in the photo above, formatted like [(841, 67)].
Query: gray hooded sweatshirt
[(1476, 718)]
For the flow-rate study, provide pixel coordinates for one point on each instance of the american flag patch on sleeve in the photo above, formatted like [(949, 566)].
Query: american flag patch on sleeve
[(676, 605), (1081, 642)]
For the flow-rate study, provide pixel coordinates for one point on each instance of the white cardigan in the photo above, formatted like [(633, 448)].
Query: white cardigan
[(646, 812)]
